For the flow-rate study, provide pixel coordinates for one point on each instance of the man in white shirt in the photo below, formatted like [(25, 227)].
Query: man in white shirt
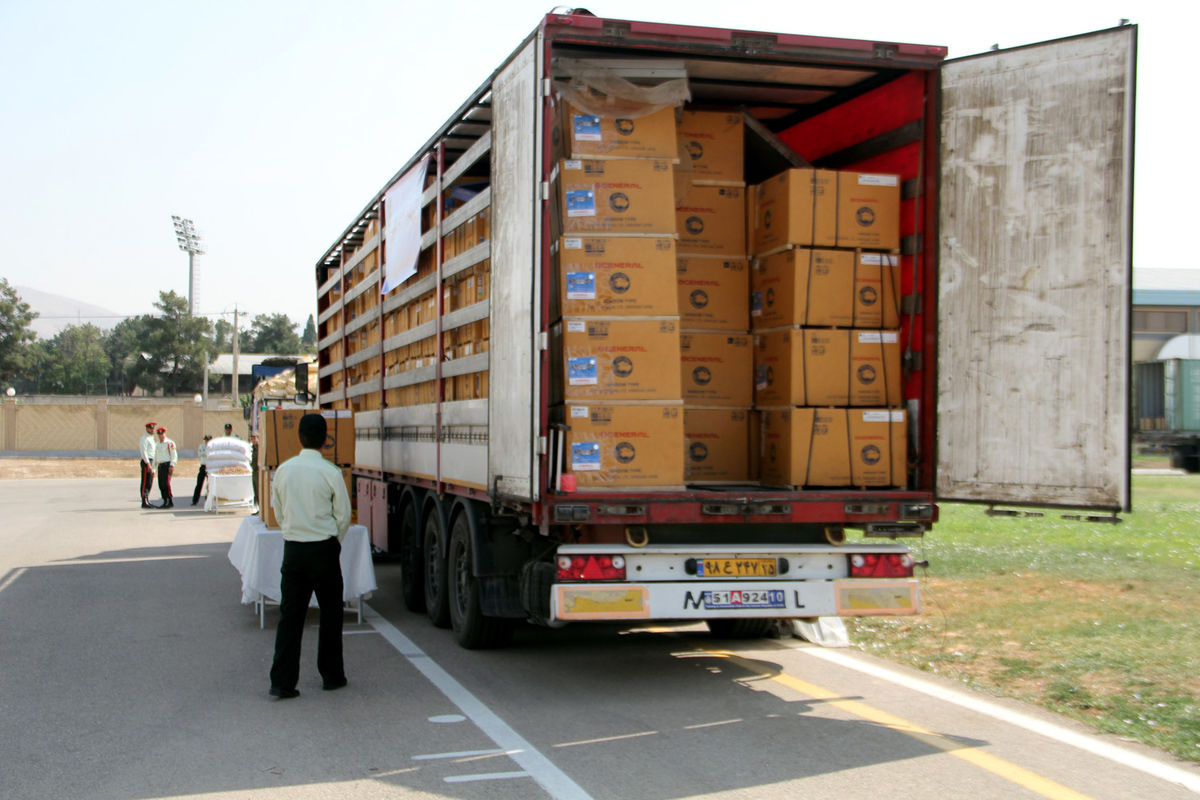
[(146, 451), (166, 455), (202, 454), (310, 498)]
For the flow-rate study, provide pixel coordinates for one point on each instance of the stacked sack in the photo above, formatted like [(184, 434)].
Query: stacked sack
[(228, 456)]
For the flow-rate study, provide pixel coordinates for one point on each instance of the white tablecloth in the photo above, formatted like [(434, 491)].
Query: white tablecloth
[(257, 554), (237, 489)]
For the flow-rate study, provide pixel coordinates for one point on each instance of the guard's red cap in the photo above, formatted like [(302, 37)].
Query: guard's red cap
[(162, 430), (151, 424)]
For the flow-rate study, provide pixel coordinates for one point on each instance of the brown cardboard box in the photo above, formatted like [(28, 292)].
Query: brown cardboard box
[(587, 135), (868, 211), (616, 196), (797, 206), (610, 446), (779, 368), (716, 444), (630, 275), (714, 143), (616, 358), (717, 369), (267, 512), (803, 286), (877, 291), (833, 447), (710, 220), (852, 367), (277, 437), (713, 293)]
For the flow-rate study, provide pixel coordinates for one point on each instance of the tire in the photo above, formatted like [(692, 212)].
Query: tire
[(740, 628), (472, 629), (412, 567), (433, 558)]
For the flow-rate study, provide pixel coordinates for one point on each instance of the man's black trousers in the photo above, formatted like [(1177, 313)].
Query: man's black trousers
[(146, 483), (309, 567)]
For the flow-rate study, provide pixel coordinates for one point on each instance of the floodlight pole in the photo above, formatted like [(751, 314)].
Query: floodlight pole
[(189, 242)]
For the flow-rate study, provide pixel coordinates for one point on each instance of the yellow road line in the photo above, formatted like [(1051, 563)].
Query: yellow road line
[(997, 766)]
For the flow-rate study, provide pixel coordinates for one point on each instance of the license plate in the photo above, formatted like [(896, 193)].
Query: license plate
[(745, 598), (737, 568)]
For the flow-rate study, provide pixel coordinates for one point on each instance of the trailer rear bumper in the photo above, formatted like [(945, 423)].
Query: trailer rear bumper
[(713, 600)]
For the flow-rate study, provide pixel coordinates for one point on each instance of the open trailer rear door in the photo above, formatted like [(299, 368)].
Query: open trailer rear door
[(1035, 270)]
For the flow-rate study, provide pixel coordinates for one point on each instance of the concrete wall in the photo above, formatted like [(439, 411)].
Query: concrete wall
[(38, 423)]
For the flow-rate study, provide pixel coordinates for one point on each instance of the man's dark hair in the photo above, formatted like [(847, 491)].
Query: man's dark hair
[(312, 431)]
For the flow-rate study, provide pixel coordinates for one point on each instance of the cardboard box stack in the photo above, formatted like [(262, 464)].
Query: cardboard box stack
[(614, 299), (712, 285), (825, 313), (278, 441)]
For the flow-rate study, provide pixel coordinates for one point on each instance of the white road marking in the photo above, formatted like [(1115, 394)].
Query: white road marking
[(459, 754), (616, 738), (486, 776), (556, 782), (1120, 755)]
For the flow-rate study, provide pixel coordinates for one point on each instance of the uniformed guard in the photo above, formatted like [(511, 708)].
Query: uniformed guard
[(166, 455), (146, 449), (202, 452)]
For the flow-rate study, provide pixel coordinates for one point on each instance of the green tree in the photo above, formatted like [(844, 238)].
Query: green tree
[(274, 333), (171, 355), (309, 338), (222, 336), (123, 346), (15, 334), (76, 362)]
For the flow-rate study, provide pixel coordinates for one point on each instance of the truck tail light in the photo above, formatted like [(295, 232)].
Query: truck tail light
[(881, 565), (591, 568)]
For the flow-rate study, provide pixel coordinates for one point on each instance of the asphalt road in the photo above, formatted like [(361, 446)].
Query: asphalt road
[(129, 669)]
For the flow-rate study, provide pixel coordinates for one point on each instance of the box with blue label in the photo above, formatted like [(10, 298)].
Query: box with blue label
[(611, 446), (626, 133), (615, 358), (614, 275), (623, 196)]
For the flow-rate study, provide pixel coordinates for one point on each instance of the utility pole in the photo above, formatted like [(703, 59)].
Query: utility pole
[(233, 386), (189, 242)]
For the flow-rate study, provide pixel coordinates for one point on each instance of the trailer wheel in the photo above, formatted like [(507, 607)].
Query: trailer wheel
[(739, 628), (472, 629), (412, 573), (437, 607)]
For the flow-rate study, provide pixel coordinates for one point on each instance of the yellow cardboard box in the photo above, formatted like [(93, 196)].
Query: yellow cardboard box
[(649, 135), (616, 358), (615, 196), (631, 275), (797, 206), (833, 447), (803, 286), (852, 367), (779, 368), (717, 442), (711, 220), (713, 293), (868, 211), (717, 369), (714, 142), (612, 446)]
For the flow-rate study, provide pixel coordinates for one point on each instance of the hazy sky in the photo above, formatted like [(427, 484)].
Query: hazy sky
[(272, 124)]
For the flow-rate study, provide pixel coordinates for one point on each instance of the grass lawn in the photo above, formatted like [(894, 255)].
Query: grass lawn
[(1097, 621)]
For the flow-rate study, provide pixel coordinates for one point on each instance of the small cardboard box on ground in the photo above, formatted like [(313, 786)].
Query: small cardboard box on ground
[(834, 288), (714, 143), (717, 369), (833, 447), (718, 445), (615, 196), (868, 212), (616, 446), (618, 275), (711, 220), (616, 358), (624, 133), (713, 293)]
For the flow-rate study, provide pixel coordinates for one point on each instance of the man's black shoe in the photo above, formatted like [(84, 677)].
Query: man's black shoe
[(330, 686), (284, 694), (147, 505)]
